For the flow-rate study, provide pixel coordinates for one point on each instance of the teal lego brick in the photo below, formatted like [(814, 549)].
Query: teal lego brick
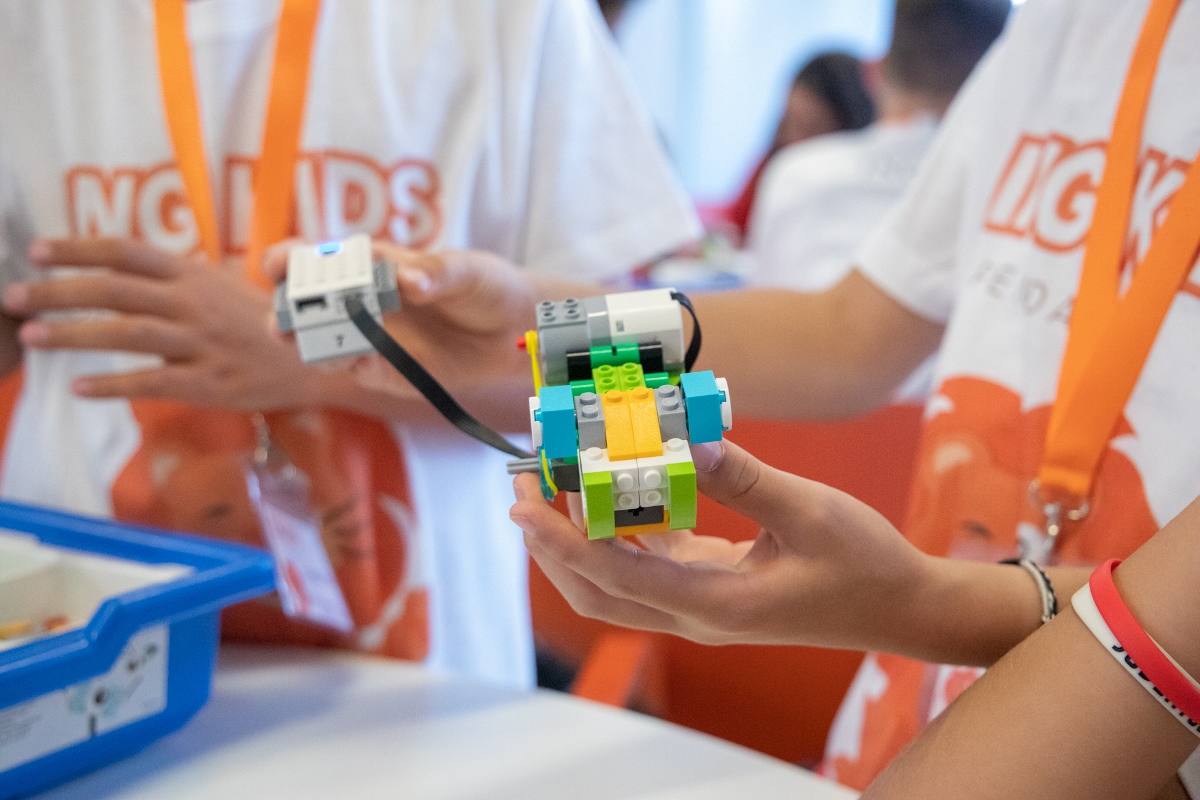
[(703, 399), (598, 498), (557, 416), (681, 489)]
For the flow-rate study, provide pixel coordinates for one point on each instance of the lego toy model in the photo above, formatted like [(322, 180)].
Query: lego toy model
[(617, 406), (312, 301), (619, 409)]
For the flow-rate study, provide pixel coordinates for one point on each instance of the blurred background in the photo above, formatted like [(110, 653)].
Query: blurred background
[(715, 73)]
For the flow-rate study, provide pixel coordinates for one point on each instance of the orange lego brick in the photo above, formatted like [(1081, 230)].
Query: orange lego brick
[(618, 425), (647, 437)]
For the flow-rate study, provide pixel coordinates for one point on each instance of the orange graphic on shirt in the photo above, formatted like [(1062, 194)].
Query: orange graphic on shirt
[(979, 453), (338, 193), (190, 475), (1046, 193)]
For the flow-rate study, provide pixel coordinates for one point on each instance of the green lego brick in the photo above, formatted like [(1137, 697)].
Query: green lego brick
[(630, 376), (614, 355), (603, 356), (598, 492), (628, 353), (579, 387), (657, 379), (570, 460), (605, 378), (681, 483)]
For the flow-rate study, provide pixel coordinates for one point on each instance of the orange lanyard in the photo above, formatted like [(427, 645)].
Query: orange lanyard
[(275, 172), (1111, 335)]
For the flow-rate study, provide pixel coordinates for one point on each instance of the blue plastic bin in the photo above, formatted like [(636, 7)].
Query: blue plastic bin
[(152, 648)]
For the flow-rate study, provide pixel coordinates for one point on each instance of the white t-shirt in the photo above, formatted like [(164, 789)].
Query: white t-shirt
[(819, 200), (501, 125), (989, 240)]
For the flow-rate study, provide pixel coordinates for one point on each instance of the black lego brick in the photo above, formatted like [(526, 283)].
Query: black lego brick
[(579, 366), (566, 477), (651, 356), (638, 516)]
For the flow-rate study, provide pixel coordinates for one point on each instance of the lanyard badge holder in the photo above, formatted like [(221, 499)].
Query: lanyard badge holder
[(307, 585), (1111, 332)]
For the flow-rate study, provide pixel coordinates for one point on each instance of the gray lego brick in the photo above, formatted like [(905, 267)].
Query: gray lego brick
[(597, 320), (385, 287), (562, 329), (672, 415), (589, 417), (335, 340), (283, 314)]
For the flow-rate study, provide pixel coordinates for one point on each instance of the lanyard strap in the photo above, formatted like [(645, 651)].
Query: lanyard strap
[(275, 171), (1110, 335)]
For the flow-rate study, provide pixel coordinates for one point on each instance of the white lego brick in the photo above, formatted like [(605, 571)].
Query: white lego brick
[(594, 459), (626, 501), (535, 425), (652, 497), (727, 405), (652, 473), (318, 270), (647, 316), (624, 480), (650, 476), (676, 451)]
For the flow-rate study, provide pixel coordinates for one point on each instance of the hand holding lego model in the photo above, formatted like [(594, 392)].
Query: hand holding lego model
[(618, 409), (826, 569), (461, 311)]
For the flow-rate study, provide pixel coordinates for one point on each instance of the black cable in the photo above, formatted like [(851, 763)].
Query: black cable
[(425, 383), (693, 351)]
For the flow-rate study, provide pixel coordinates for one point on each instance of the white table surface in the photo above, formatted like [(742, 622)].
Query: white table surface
[(300, 724)]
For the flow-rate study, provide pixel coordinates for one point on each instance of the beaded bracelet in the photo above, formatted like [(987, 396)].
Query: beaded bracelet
[(1045, 587)]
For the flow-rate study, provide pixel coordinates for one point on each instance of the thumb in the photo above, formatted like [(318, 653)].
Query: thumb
[(739, 481), (275, 259)]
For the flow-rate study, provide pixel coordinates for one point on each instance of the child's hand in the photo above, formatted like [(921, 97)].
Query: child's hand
[(826, 569)]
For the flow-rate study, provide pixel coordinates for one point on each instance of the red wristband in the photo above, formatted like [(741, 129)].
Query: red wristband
[(1140, 649)]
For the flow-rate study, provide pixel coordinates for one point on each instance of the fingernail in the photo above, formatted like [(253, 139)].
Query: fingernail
[(414, 277), (16, 296), (33, 333), (707, 455), (39, 250), (518, 492)]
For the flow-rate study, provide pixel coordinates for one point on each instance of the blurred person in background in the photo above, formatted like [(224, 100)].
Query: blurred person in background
[(828, 94), (508, 127), (820, 195)]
